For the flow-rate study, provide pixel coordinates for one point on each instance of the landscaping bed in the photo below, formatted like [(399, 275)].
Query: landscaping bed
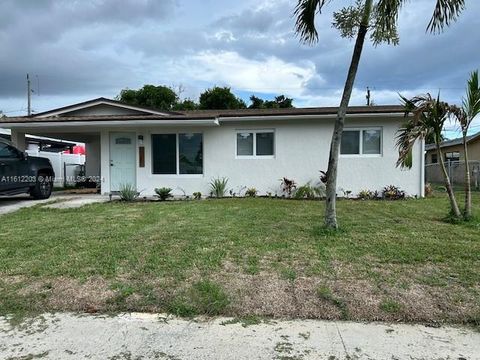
[(249, 258)]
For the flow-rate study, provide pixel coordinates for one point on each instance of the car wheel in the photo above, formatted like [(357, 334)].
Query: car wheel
[(43, 187)]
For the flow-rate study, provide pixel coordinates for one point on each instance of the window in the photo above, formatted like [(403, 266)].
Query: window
[(361, 142), (7, 151), (434, 159), (452, 156), (259, 143), (123, 141), (174, 154), (190, 153)]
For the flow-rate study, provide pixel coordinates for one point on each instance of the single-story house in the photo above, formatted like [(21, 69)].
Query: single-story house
[(453, 150), (185, 150), (454, 157)]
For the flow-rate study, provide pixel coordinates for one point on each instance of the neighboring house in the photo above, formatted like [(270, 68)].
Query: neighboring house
[(454, 156), (251, 147), (453, 150)]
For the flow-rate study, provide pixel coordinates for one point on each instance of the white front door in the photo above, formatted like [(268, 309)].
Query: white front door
[(122, 160)]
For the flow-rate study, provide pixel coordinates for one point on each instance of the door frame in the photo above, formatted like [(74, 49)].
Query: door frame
[(110, 135)]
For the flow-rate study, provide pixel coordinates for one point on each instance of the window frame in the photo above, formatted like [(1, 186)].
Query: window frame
[(255, 132), (177, 154), (360, 149), (448, 158)]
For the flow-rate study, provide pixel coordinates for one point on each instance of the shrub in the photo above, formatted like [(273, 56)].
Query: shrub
[(392, 192), (288, 186), (128, 192), (308, 191), (163, 193), (197, 195), (367, 195), (218, 187), (251, 192)]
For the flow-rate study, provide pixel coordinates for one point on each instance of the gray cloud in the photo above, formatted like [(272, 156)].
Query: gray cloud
[(80, 48)]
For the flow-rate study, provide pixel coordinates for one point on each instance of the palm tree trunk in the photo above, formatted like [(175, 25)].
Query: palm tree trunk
[(331, 187), (467, 213), (451, 195)]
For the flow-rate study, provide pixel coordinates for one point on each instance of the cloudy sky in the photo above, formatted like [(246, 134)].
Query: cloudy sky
[(76, 50)]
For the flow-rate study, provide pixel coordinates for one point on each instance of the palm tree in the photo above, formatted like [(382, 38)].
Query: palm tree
[(380, 18), (464, 115), (429, 117)]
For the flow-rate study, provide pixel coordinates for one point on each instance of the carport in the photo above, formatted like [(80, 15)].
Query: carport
[(90, 138)]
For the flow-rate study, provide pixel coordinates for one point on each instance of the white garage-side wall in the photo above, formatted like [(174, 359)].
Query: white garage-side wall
[(301, 151)]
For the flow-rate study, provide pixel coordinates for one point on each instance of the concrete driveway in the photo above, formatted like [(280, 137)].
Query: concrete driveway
[(60, 201), (150, 336)]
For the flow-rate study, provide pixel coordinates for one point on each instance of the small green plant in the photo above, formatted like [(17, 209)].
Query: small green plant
[(368, 195), (163, 193), (251, 192), (218, 187), (288, 186), (128, 192), (308, 191), (392, 192), (197, 195)]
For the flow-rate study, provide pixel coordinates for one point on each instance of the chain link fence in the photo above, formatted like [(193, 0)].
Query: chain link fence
[(456, 172)]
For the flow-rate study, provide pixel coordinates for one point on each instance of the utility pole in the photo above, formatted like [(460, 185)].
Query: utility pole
[(29, 97), (368, 96)]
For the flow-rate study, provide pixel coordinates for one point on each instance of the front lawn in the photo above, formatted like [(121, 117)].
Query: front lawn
[(245, 258)]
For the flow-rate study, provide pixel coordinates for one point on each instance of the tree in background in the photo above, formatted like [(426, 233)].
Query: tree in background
[(464, 115), (186, 104), (429, 117), (280, 102), (220, 98), (380, 18), (157, 97)]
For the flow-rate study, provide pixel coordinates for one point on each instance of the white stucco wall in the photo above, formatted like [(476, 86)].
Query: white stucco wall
[(301, 151)]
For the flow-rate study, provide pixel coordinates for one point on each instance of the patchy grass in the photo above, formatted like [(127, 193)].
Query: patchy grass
[(390, 306), (203, 297), (262, 257)]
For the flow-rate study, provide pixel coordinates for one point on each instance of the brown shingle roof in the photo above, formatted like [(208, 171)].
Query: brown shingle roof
[(213, 114)]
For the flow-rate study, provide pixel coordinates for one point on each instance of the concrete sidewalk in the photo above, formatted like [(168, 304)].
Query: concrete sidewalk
[(146, 336)]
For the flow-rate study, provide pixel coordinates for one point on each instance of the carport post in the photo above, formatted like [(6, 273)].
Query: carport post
[(18, 139)]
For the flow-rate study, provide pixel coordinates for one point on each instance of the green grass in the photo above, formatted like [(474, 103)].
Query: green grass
[(161, 251), (203, 297)]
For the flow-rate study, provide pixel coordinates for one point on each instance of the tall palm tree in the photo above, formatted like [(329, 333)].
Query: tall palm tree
[(429, 117), (465, 115), (380, 18)]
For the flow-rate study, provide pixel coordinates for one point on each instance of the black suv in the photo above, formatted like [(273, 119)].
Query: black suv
[(20, 173)]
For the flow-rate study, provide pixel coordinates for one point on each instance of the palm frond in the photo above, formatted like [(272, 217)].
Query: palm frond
[(428, 118), (385, 21), (305, 13), (446, 12), (471, 103)]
